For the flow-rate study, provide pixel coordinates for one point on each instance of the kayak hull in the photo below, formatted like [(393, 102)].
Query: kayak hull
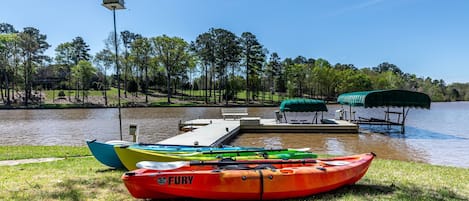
[(280, 181), (105, 154)]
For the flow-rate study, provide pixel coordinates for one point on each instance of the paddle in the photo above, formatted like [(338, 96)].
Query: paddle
[(172, 145), (252, 150), (178, 164), (265, 153)]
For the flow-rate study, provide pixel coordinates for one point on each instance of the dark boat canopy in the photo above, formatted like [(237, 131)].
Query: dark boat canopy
[(303, 105), (385, 98)]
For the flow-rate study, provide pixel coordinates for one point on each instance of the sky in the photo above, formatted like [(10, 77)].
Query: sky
[(428, 38)]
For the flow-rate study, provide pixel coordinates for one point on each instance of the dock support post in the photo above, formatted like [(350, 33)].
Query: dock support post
[(386, 117), (403, 120), (350, 113), (133, 131)]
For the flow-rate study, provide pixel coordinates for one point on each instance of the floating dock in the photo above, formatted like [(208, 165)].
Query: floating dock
[(209, 132), (216, 132)]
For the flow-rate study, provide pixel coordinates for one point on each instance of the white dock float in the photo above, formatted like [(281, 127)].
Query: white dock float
[(271, 126), (214, 133)]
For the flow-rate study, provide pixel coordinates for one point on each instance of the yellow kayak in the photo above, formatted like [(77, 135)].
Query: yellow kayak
[(130, 157)]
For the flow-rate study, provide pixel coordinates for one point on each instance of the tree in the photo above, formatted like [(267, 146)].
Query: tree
[(80, 50), (127, 39), (353, 80), (83, 73), (296, 77), (110, 44), (218, 49), (227, 53), (192, 68), (79, 53), (327, 78), (388, 80), (282, 77), (173, 54), (204, 47), (385, 66), (8, 59), (104, 60), (64, 54), (6, 28), (300, 60), (32, 45), (253, 57), (274, 67), (69, 54), (309, 79), (454, 94), (141, 56)]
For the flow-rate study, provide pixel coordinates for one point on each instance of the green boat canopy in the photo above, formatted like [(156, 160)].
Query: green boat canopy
[(384, 98), (303, 105)]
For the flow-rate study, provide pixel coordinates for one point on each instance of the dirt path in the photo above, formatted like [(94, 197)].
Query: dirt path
[(24, 161)]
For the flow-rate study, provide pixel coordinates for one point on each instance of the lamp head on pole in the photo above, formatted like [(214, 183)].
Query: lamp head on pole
[(114, 4)]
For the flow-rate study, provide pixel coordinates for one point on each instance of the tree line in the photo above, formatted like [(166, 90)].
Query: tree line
[(217, 62)]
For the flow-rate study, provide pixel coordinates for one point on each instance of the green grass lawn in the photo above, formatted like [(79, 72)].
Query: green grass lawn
[(111, 93), (240, 95), (24, 152), (182, 98), (95, 99), (84, 178)]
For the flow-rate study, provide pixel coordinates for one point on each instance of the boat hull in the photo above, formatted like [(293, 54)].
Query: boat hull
[(211, 182), (104, 152)]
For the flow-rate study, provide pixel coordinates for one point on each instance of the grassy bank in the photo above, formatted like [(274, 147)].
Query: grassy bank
[(24, 152), (83, 178), (95, 99)]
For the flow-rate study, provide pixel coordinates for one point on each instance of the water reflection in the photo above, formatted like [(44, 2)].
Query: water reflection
[(417, 133), (336, 144)]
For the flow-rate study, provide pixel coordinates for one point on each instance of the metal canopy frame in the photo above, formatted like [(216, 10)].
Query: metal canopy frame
[(385, 98)]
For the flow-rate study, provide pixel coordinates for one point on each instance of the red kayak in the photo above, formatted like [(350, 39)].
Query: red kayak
[(245, 180)]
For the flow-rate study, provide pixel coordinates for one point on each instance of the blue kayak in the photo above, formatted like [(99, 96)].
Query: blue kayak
[(104, 151)]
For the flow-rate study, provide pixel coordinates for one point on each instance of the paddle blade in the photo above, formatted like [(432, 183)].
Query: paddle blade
[(336, 163), (162, 165), (301, 149)]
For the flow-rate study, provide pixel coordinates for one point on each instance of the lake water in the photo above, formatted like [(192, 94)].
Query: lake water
[(436, 136)]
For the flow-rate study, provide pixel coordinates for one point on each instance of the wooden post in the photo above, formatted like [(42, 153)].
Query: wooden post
[(350, 113), (403, 120), (386, 117)]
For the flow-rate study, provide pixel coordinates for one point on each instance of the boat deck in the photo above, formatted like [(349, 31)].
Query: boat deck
[(216, 132)]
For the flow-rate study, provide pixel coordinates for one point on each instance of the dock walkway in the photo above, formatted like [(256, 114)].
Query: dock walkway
[(216, 132)]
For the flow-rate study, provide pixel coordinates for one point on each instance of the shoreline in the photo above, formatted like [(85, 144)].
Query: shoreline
[(72, 106), (88, 106)]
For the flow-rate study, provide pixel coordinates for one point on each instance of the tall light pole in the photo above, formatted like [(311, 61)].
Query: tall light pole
[(116, 5)]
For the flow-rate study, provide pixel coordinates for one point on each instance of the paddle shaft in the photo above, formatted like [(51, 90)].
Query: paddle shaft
[(221, 163), (177, 164), (242, 151)]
